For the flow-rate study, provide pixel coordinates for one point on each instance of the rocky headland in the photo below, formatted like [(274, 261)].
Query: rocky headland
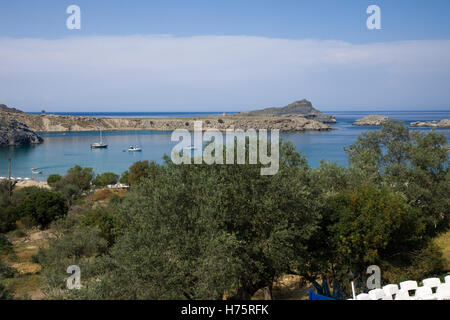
[(15, 133), (445, 123), (372, 120), (63, 123), (301, 108)]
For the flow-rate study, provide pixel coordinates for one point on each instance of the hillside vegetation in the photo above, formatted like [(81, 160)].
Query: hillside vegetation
[(226, 232)]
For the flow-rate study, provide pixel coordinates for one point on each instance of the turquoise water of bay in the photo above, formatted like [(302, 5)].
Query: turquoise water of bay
[(61, 151)]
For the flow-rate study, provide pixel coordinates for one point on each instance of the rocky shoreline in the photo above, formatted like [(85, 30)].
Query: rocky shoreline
[(15, 133), (377, 120), (57, 123), (445, 123), (296, 117)]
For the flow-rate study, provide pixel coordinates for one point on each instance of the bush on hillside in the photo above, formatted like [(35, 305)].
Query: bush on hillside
[(53, 179), (43, 207), (104, 179)]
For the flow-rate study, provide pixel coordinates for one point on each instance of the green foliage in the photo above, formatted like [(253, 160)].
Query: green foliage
[(77, 246), (413, 163), (103, 219), (80, 177), (370, 224), (141, 170), (6, 271), (105, 179), (424, 263), (215, 231), (200, 232), (70, 191), (5, 185), (124, 177), (5, 294), (53, 179), (8, 218), (12, 213), (20, 194), (5, 245), (74, 183), (43, 207)]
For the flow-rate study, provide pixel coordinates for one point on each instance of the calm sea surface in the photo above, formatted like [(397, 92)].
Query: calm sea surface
[(61, 151)]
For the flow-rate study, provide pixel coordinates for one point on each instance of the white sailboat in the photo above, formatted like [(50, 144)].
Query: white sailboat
[(99, 145)]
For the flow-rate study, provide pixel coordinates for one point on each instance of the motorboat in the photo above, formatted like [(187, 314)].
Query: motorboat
[(134, 149)]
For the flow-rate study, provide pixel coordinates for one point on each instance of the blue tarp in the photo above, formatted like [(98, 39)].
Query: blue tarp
[(315, 296)]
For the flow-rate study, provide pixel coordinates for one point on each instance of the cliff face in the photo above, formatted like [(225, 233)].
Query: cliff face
[(56, 123), (302, 108), (15, 133)]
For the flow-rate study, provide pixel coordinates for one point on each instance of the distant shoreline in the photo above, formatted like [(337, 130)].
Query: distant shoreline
[(66, 123), (140, 115)]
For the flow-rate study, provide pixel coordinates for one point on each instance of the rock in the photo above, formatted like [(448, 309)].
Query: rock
[(4, 108), (55, 123), (445, 123), (15, 133), (299, 108), (372, 120)]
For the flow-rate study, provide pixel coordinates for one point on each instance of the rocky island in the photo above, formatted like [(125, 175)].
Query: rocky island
[(15, 133), (301, 108), (285, 122), (372, 120), (445, 123)]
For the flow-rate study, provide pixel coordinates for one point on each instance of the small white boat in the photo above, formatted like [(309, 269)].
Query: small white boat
[(36, 172), (134, 149)]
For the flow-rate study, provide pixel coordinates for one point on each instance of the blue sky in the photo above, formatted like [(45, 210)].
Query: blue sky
[(224, 55)]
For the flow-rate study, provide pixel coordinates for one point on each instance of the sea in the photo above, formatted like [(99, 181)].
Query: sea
[(62, 150)]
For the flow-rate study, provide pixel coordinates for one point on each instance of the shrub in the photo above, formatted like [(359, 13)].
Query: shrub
[(141, 170), (124, 177), (80, 177), (6, 271), (53, 179), (76, 247), (43, 207), (101, 218), (5, 245), (4, 192), (5, 294), (8, 218), (69, 191), (105, 179), (22, 193)]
